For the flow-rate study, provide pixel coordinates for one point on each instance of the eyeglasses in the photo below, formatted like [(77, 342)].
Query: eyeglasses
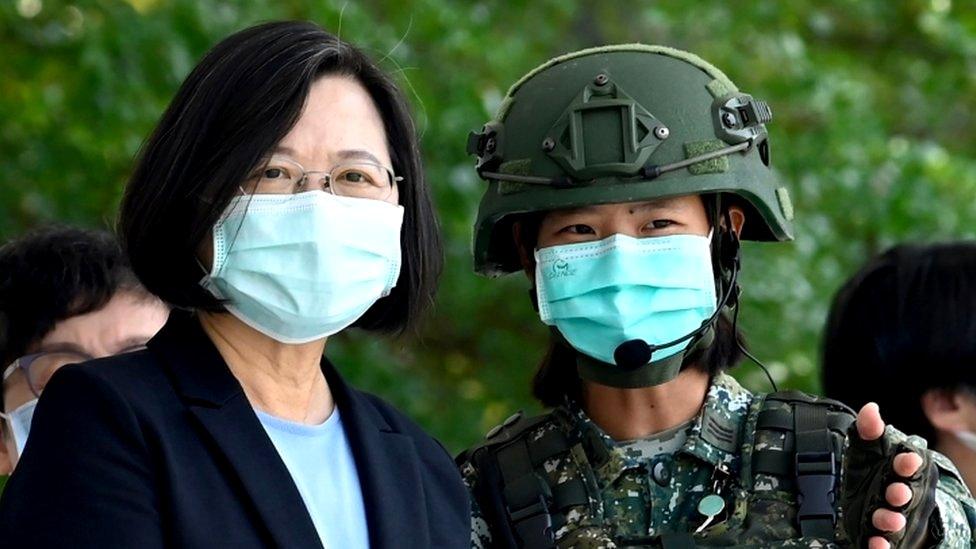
[(38, 368), (353, 179)]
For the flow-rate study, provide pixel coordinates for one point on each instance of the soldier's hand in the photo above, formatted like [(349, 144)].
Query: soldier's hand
[(881, 509), (870, 427)]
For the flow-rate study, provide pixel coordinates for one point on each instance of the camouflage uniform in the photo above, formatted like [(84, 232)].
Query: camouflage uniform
[(640, 495)]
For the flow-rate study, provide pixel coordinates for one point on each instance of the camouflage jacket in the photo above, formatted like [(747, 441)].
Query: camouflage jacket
[(635, 499)]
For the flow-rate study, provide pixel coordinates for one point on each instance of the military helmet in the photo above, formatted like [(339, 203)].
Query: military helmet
[(620, 124)]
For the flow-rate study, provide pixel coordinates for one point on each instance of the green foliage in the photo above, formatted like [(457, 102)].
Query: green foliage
[(873, 129)]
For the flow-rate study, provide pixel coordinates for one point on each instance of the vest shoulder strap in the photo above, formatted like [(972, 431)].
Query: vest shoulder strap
[(808, 462), (522, 505)]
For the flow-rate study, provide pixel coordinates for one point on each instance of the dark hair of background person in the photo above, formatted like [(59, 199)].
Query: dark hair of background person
[(51, 274), (234, 107), (903, 325), (557, 378)]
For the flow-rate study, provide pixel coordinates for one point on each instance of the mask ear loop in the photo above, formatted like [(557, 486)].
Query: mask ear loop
[(240, 224)]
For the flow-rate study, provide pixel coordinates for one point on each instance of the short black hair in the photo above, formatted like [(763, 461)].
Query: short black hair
[(904, 324), (233, 108), (51, 274)]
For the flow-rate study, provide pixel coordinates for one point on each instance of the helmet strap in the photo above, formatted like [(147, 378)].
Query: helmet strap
[(653, 373)]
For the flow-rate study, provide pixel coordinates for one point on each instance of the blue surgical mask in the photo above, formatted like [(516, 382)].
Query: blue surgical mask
[(302, 267), (19, 422), (604, 293)]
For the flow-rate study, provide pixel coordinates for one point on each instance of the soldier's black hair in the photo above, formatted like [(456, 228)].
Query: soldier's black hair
[(557, 378), (234, 107), (903, 325), (51, 274)]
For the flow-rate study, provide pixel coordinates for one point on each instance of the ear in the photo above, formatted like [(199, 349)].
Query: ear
[(527, 259), (945, 409), (738, 218)]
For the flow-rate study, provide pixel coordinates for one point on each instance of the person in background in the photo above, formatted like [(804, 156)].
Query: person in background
[(66, 295), (902, 333), (280, 200)]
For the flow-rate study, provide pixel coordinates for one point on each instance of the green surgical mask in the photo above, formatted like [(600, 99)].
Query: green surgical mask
[(619, 289)]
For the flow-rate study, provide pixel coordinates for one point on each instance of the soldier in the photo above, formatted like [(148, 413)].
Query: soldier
[(620, 179)]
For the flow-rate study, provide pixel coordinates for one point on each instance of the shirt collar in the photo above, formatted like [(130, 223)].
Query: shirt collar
[(715, 433)]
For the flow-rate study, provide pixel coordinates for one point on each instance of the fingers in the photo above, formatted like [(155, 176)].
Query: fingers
[(906, 464), (870, 426), (898, 494), (887, 520), (878, 542)]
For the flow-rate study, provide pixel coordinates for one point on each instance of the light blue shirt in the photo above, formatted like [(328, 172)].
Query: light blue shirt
[(321, 464)]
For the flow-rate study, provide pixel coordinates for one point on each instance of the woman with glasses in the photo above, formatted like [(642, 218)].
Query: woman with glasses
[(279, 201), (67, 295)]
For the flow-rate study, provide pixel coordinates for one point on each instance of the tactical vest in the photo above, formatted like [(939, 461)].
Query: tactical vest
[(524, 510)]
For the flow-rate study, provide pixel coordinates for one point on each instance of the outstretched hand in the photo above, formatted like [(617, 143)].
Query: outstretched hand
[(871, 427)]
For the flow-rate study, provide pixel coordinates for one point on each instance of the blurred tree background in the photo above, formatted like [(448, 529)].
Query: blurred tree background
[(875, 123)]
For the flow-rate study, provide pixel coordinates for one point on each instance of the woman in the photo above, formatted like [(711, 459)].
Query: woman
[(620, 179), (67, 295), (279, 201)]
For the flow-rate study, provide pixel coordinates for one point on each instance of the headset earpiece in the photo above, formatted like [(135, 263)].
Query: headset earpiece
[(729, 247), (729, 261)]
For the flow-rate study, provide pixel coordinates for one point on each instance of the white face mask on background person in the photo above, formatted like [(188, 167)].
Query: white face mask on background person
[(300, 267), (19, 423), (967, 438)]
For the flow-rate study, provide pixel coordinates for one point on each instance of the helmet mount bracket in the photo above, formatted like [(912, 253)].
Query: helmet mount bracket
[(603, 131)]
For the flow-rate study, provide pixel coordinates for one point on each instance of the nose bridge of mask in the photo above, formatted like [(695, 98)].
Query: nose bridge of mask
[(620, 261)]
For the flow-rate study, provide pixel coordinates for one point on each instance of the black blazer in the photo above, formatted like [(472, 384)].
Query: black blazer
[(160, 448)]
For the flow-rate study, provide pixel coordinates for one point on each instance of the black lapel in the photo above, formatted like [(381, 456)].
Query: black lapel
[(216, 400), (388, 467)]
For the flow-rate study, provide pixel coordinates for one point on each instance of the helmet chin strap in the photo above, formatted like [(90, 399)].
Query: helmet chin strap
[(649, 372), (635, 365)]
